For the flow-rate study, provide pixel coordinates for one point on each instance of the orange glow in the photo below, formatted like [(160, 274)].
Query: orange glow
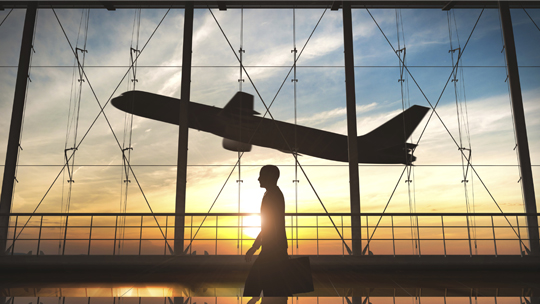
[(252, 226)]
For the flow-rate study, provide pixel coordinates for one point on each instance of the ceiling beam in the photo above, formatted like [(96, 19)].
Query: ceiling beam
[(262, 4)]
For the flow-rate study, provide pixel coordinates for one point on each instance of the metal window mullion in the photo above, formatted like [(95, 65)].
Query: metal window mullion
[(15, 128), (65, 235), (115, 232), (181, 173), (140, 235), (519, 236), (39, 236), (90, 234), (14, 235), (393, 237), (443, 237), (518, 113), (352, 137), (494, 239)]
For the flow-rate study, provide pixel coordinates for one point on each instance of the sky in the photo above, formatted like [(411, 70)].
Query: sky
[(267, 38)]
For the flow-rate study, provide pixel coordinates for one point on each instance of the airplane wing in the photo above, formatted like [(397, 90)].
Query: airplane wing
[(240, 127)]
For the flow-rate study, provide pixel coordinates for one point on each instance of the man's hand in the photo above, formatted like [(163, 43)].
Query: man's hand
[(253, 300), (250, 253)]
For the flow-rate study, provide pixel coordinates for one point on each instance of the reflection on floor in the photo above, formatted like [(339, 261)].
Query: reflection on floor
[(426, 285), (472, 299), (337, 279)]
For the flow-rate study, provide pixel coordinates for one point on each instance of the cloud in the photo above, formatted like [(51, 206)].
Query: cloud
[(323, 118)]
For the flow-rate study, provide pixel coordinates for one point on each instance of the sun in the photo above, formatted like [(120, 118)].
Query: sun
[(252, 225)]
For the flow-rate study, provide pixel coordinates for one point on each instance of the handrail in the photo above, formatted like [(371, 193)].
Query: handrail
[(286, 214), (92, 237)]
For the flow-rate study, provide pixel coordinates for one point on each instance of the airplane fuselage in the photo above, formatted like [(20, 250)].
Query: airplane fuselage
[(244, 127)]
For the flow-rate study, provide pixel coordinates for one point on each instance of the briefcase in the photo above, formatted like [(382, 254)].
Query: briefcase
[(299, 279)]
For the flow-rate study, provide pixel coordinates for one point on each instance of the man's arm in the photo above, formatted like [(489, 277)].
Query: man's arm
[(256, 245)]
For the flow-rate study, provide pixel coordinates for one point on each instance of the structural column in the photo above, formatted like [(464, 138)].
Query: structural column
[(16, 123), (179, 220), (351, 129), (520, 128)]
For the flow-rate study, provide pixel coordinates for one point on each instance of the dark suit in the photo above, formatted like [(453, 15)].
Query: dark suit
[(269, 270)]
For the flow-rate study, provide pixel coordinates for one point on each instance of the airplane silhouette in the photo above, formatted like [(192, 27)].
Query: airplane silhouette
[(240, 128)]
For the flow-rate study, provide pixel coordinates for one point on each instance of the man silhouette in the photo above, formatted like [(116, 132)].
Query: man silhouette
[(268, 273)]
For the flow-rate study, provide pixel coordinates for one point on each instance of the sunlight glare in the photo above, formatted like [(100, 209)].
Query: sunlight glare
[(252, 225)]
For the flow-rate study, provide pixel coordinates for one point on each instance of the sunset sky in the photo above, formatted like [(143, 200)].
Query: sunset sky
[(268, 41)]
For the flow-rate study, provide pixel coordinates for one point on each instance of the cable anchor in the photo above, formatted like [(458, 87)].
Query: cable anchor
[(454, 50), (124, 158), (81, 72), (137, 53), (70, 174)]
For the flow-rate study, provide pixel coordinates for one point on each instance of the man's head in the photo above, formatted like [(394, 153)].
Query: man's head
[(268, 176)]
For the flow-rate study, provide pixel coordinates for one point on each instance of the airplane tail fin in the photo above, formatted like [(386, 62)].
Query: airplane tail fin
[(391, 137), (241, 101)]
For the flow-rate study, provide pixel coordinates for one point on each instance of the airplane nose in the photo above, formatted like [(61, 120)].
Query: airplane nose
[(121, 102)]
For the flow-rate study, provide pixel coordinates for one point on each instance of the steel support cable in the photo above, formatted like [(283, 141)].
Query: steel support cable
[(463, 121), (409, 168), (279, 130), (73, 118), (268, 112), (6, 17), (68, 127), (521, 7), (99, 114), (128, 124), (440, 119)]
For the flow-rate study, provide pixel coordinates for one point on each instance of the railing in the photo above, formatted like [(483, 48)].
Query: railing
[(307, 233)]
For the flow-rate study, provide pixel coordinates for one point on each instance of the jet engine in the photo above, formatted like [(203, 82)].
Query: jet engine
[(236, 146)]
